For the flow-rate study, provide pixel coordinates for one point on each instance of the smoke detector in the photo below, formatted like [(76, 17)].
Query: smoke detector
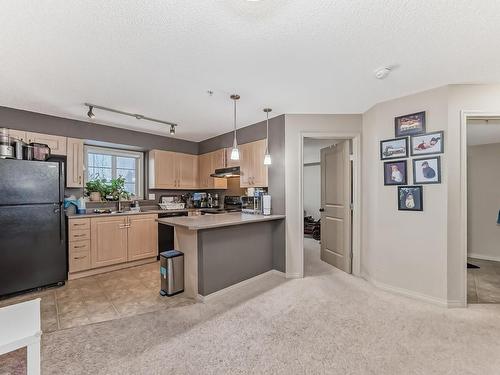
[(382, 73)]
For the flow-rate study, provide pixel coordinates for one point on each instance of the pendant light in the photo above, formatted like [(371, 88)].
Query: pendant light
[(267, 156), (235, 153)]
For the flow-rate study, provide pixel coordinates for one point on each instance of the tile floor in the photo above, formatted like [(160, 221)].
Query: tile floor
[(483, 284), (102, 297)]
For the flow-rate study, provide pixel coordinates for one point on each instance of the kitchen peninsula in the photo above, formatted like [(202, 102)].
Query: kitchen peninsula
[(223, 250)]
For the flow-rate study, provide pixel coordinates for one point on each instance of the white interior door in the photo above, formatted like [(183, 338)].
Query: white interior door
[(336, 198)]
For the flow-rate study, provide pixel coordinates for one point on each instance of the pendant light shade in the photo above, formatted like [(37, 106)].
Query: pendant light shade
[(267, 156), (235, 153)]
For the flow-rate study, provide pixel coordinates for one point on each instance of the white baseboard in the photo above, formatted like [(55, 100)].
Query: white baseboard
[(483, 257), (238, 285), (290, 275), (414, 295)]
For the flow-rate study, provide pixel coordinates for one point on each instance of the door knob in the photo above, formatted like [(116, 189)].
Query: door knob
[(321, 210)]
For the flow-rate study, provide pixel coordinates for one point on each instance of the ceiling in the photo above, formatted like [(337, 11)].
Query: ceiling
[(158, 58), (482, 132)]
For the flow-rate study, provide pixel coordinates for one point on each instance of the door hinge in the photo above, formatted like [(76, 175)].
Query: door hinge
[(351, 206)]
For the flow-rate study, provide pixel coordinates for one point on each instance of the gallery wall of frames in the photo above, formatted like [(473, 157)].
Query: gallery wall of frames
[(412, 144)]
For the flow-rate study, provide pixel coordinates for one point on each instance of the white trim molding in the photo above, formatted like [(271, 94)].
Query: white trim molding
[(414, 295), (483, 257), (243, 283)]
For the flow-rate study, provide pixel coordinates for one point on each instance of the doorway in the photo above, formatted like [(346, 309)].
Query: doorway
[(483, 209), (330, 183)]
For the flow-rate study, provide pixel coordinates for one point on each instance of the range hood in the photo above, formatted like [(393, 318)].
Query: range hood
[(226, 172)]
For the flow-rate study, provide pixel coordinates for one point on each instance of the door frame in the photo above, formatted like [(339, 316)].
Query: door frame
[(464, 117), (356, 179)]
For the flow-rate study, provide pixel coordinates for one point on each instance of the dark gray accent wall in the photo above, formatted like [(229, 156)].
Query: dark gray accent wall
[(276, 187), (40, 123), (229, 255)]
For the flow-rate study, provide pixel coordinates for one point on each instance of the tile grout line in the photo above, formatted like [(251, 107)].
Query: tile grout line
[(108, 298)]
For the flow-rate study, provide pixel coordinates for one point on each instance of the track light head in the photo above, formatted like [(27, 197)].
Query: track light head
[(90, 113), (172, 129)]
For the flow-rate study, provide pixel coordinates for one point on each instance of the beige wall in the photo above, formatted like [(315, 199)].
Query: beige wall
[(295, 126), (483, 201), (404, 251)]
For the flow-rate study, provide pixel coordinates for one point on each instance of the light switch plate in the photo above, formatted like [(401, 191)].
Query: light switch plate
[(151, 197)]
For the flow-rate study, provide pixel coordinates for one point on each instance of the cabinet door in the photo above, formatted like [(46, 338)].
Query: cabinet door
[(142, 237), (204, 171), (56, 143), (259, 175), (162, 169), (108, 241), (246, 165), (18, 134), (187, 171), (217, 161), (74, 163)]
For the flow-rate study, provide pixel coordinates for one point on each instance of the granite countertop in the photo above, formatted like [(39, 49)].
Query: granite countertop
[(216, 221), (152, 211)]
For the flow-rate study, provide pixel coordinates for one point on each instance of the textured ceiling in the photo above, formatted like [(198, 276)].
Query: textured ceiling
[(158, 58)]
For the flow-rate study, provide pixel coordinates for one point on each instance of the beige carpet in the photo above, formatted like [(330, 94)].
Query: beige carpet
[(326, 323)]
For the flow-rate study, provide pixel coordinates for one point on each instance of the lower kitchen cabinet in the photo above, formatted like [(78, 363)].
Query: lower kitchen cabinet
[(108, 241), (142, 237), (102, 244)]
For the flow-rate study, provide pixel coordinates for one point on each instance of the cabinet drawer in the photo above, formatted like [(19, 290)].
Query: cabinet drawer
[(79, 234), (79, 261), (79, 246), (78, 224)]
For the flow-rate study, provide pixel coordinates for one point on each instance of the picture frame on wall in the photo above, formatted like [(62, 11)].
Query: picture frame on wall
[(427, 144), (411, 124), (395, 148), (410, 198), (427, 170), (395, 172)]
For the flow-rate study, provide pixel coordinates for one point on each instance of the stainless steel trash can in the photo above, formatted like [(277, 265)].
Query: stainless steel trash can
[(172, 272)]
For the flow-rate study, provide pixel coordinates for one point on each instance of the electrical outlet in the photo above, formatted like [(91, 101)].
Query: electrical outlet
[(151, 197)]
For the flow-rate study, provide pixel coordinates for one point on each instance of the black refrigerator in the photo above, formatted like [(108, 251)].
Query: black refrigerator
[(32, 225)]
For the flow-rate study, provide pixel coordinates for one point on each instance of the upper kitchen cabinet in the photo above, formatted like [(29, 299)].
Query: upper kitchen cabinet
[(172, 170), (56, 143), (74, 163), (253, 172), (207, 164)]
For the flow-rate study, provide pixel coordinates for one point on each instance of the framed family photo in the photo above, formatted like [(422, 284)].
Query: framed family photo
[(427, 170), (394, 148), (395, 172), (410, 198), (427, 144), (411, 124)]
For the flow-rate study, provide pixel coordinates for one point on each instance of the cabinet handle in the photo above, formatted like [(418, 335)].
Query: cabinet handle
[(80, 257), (79, 235), (79, 247), (78, 224)]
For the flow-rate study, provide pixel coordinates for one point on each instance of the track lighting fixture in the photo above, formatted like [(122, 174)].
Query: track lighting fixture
[(235, 153), (91, 115), (267, 156)]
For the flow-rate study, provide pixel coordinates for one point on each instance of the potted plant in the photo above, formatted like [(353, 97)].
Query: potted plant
[(96, 189)]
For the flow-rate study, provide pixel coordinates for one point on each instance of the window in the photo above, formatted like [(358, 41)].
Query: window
[(111, 163)]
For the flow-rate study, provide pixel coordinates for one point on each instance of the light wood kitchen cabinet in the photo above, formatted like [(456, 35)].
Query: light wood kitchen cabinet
[(74, 163), (56, 143), (108, 242), (142, 237), (253, 172), (79, 245), (172, 170), (207, 164), (18, 134)]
